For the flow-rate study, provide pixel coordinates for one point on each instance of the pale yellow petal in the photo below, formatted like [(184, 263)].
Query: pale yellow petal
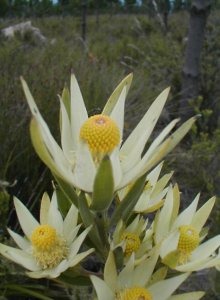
[(113, 99), (102, 290), (110, 271), (133, 147), (20, 257), (78, 110), (186, 217), (201, 216), (22, 242), (163, 221), (44, 209), (117, 113), (162, 290), (27, 221), (188, 296), (67, 141)]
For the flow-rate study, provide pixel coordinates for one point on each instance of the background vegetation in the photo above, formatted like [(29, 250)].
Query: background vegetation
[(116, 44)]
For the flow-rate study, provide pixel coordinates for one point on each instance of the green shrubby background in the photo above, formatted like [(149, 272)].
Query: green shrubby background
[(116, 46)]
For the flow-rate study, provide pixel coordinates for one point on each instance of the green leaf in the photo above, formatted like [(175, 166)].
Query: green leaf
[(103, 186), (159, 275), (103, 229), (26, 291), (119, 257), (72, 277), (68, 190), (171, 260), (88, 219), (115, 95), (126, 206), (63, 202)]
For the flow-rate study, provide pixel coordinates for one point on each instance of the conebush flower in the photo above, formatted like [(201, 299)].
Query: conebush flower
[(134, 238), (152, 197), (101, 134), (137, 281), (86, 140), (50, 246), (181, 236)]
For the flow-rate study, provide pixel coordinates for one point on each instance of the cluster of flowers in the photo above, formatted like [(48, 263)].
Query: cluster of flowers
[(110, 187)]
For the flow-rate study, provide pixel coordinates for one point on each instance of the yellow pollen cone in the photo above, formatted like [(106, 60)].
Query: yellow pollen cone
[(135, 293), (132, 242), (101, 133), (188, 240), (48, 248), (44, 237)]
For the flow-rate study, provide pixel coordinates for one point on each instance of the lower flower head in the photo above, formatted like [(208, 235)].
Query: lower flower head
[(132, 242), (44, 237), (135, 293), (101, 133), (48, 248), (188, 241)]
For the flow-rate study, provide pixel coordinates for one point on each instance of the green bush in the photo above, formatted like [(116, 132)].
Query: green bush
[(4, 210)]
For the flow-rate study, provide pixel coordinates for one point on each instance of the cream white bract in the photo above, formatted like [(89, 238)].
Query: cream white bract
[(136, 282), (180, 236), (50, 246), (76, 160)]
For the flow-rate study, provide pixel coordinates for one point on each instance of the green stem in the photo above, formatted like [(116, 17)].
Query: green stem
[(101, 222)]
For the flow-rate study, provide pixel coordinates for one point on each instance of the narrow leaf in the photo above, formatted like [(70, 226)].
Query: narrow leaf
[(27, 291), (63, 201), (103, 186), (128, 203), (119, 257), (88, 219), (160, 274), (171, 259), (73, 277), (67, 189)]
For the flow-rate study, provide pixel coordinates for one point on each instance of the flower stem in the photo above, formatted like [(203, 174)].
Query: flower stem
[(101, 221)]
